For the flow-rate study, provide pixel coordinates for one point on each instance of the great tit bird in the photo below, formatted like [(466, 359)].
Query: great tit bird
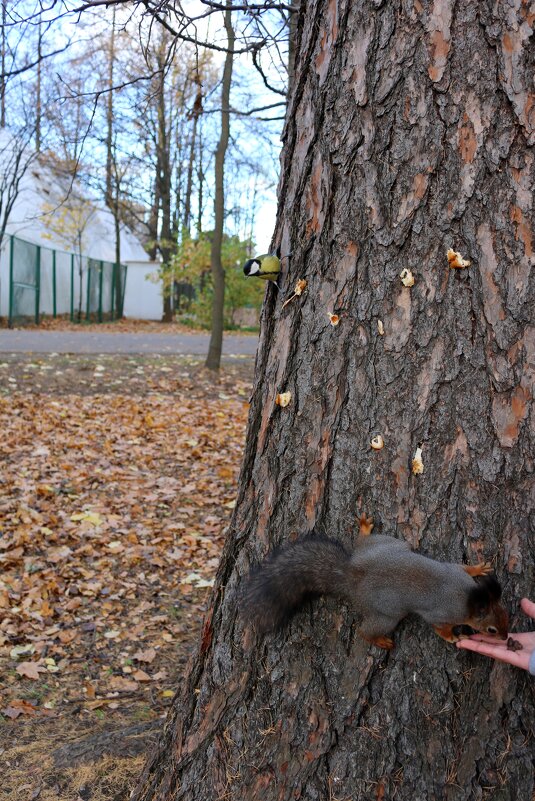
[(267, 266)]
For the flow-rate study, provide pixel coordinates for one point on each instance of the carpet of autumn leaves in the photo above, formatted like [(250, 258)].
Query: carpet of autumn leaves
[(118, 476)]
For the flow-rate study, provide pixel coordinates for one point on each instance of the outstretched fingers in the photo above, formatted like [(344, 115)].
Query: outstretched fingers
[(500, 652), (528, 607)]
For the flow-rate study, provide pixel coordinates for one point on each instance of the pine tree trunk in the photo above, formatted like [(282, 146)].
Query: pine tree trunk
[(409, 131)]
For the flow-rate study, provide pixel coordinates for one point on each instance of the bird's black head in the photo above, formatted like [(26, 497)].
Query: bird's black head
[(251, 267)]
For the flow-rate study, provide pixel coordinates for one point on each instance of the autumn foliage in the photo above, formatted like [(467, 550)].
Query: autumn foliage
[(116, 486)]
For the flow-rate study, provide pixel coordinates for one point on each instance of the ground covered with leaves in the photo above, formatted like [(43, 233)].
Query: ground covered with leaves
[(122, 326), (125, 325), (118, 478)]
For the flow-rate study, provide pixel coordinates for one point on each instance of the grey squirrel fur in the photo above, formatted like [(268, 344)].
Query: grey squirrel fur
[(381, 579)]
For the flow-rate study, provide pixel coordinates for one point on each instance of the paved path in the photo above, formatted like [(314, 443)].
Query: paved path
[(36, 341)]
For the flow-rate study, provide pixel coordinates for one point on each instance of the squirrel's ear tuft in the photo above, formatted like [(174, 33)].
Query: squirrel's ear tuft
[(486, 591)]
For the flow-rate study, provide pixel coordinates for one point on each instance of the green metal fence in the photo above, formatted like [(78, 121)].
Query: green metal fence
[(48, 281)]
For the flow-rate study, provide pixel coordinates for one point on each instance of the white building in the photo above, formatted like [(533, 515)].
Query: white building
[(57, 214)]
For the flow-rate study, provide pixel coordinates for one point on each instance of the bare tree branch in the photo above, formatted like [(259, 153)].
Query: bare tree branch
[(248, 7), (32, 64), (258, 67)]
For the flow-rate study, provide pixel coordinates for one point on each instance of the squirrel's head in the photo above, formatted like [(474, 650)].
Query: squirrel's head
[(486, 614)]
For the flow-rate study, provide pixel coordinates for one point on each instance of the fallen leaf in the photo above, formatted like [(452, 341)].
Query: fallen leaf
[(22, 650), (30, 670), (115, 546), (67, 635), (140, 675), (123, 684), (146, 656), (87, 517), (90, 690)]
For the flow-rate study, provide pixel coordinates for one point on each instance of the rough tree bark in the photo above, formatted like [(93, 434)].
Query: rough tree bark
[(410, 130)]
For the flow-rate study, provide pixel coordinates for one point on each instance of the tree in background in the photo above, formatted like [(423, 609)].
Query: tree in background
[(68, 220), (215, 346), (139, 95), (191, 267), (409, 131)]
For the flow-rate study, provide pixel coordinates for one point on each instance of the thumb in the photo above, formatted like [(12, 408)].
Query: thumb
[(528, 607)]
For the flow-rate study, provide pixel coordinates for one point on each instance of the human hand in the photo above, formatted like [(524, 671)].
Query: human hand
[(499, 650)]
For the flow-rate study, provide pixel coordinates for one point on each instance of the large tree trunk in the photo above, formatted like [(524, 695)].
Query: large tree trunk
[(409, 132)]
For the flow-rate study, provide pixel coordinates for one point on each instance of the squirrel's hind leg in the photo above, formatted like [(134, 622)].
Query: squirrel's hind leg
[(387, 643), (376, 631)]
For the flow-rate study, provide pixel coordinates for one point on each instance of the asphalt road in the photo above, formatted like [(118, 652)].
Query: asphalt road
[(36, 341)]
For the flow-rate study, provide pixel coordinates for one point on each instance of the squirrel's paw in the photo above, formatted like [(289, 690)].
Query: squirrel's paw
[(380, 641), (383, 642), (482, 569), (366, 527), (447, 633)]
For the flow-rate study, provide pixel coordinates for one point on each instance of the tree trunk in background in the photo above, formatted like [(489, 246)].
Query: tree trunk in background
[(110, 160), (3, 80), (195, 113), (112, 191), (152, 224), (119, 290), (200, 182), (410, 130), (38, 89), (164, 176), (215, 347)]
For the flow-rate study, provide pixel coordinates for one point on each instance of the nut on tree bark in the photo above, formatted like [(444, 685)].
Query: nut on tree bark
[(407, 278)]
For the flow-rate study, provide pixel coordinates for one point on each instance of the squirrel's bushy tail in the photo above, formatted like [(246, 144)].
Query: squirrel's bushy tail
[(290, 576)]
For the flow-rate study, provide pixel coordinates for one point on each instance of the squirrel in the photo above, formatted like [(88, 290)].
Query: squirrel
[(382, 580)]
